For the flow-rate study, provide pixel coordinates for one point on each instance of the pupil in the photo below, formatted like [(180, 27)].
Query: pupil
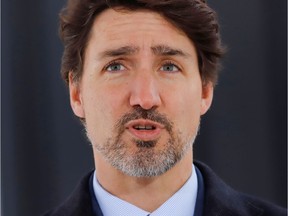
[(116, 67), (169, 68)]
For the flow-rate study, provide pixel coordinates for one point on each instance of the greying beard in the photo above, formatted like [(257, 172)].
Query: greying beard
[(147, 160), (151, 163)]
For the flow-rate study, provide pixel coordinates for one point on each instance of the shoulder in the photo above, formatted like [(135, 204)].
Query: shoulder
[(266, 208), (78, 203), (221, 199)]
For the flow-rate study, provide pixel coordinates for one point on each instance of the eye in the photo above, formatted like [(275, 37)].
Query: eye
[(170, 67), (114, 67)]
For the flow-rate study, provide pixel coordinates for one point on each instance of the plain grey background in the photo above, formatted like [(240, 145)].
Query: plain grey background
[(44, 149)]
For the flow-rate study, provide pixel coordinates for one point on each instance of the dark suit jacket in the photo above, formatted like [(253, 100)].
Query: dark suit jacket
[(219, 200)]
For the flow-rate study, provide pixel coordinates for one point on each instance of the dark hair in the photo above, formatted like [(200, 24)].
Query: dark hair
[(194, 17)]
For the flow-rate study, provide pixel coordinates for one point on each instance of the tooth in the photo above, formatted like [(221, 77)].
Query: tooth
[(148, 127), (144, 127), (140, 127)]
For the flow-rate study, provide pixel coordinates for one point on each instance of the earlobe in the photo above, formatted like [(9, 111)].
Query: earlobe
[(207, 97), (75, 97)]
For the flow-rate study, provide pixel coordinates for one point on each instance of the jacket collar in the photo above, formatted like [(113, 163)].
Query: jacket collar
[(221, 200)]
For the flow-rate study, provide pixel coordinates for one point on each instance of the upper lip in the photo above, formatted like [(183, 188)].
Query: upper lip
[(143, 124)]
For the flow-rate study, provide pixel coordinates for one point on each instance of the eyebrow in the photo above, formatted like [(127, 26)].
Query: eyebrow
[(125, 50), (164, 50), (158, 50)]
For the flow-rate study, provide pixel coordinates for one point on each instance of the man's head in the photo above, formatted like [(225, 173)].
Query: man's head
[(194, 17), (141, 80)]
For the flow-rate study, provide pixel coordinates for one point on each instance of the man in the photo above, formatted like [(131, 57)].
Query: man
[(141, 74)]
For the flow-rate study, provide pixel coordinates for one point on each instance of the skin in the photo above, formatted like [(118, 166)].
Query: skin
[(141, 76)]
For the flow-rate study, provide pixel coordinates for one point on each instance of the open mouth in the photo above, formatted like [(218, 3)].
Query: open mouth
[(144, 129)]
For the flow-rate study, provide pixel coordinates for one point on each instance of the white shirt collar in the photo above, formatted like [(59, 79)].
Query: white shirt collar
[(182, 203)]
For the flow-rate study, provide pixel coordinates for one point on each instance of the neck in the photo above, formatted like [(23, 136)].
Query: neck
[(147, 193)]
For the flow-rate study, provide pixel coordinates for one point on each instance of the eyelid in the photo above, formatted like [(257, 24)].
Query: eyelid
[(120, 62), (111, 63), (167, 62)]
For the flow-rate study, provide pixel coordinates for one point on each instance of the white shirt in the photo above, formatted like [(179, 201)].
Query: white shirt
[(182, 203)]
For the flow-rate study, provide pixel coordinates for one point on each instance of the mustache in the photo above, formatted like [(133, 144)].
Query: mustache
[(140, 113)]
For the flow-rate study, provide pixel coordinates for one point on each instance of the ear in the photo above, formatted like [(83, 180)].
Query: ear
[(75, 97), (207, 96)]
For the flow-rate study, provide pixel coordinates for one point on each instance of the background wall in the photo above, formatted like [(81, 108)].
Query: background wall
[(44, 150)]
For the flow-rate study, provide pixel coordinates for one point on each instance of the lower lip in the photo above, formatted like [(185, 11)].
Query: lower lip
[(145, 135)]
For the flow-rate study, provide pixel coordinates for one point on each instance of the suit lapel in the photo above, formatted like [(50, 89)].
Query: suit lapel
[(199, 206), (95, 205)]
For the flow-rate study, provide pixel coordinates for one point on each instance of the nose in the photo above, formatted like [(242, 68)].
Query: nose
[(145, 92)]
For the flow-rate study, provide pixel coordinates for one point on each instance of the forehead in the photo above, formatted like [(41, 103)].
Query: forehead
[(124, 17), (141, 26)]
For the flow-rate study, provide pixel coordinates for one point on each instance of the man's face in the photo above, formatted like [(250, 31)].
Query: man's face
[(140, 94)]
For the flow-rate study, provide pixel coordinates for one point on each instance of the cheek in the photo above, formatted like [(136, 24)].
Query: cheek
[(185, 108), (102, 110), (97, 116), (190, 111)]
